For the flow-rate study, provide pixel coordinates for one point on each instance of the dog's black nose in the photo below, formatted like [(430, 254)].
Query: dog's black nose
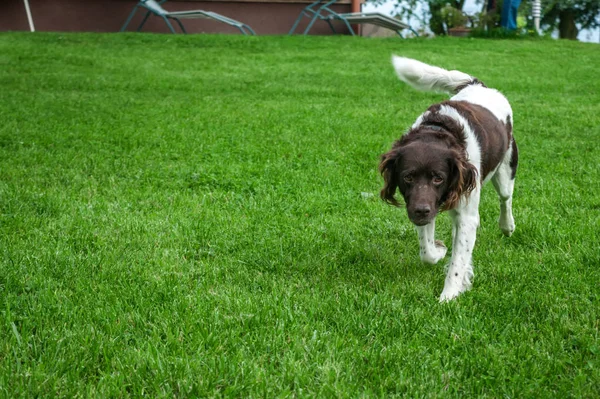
[(422, 210)]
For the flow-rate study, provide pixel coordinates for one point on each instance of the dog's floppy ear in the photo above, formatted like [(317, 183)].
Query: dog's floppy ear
[(388, 167), (462, 180)]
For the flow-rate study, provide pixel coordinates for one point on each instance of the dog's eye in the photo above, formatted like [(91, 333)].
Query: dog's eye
[(408, 179), (437, 180)]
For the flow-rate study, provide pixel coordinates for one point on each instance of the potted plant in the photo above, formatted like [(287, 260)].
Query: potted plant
[(455, 21)]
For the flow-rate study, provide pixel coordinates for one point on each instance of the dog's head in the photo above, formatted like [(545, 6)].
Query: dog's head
[(431, 172)]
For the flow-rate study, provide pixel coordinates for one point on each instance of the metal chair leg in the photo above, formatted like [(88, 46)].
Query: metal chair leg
[(302, 14), (335, 15), (168, 24), (311, 23), (180, 24), (323, 6), (331, 26), (129, 18), (250, 29), (144, 21), (348, 26)]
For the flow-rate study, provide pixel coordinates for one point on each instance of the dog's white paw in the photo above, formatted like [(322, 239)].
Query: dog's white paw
[(456, 283), (506, 223), (507, 227), (449, 293), (435, 254)]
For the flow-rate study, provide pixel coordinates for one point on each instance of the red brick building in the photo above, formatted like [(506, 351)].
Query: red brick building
[(266, 17)]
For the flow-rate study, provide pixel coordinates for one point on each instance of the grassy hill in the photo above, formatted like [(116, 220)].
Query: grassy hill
[(199, 216)]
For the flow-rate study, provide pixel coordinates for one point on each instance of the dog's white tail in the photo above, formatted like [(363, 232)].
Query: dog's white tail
[(429, 78)]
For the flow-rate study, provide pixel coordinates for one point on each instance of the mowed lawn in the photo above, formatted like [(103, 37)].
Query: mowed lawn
[(200, 217)]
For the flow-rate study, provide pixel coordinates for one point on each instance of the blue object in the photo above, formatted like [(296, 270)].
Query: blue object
[(508, 19)]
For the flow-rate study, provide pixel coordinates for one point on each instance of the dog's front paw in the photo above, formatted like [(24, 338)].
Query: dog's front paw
[(448, 296), (449, 293), (434, 254), (457, 282), (507, 227), (506, 222)]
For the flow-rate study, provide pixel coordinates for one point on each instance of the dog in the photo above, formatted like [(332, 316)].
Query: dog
[(444, 159)]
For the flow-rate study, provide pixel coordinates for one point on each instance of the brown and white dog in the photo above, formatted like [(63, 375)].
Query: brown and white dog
[(444, 159)]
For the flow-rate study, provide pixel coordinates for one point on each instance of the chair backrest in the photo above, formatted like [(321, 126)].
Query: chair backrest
[(153, 6)]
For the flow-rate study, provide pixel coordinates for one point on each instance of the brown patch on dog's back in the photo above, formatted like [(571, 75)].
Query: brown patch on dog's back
[(451, 125), (492, 134)]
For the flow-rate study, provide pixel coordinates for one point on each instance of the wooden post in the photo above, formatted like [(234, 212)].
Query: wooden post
[(355, 7)]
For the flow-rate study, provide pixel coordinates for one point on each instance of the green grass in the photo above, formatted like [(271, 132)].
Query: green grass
[(199, 216)]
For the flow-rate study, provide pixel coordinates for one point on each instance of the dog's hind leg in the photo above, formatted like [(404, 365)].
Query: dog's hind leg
[(504, 183), (431, 250)]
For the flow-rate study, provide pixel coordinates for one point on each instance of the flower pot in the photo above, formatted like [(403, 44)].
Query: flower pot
[(460, 31)]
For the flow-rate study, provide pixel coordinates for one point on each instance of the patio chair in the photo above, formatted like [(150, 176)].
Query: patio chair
[(320, 9), (154, 7)]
